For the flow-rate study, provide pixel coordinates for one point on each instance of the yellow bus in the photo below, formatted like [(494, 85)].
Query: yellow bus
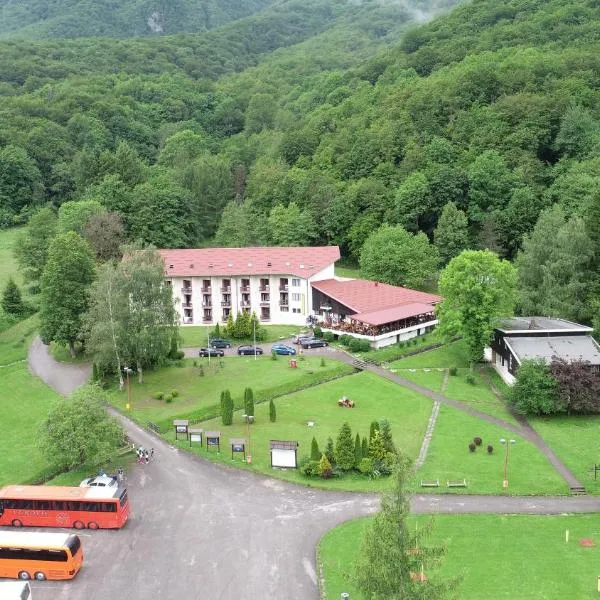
[(40, 556)]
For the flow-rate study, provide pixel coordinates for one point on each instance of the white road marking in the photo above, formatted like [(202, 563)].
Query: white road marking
[(309, 570)]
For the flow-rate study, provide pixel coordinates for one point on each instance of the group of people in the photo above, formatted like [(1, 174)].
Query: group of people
[(144, 456)]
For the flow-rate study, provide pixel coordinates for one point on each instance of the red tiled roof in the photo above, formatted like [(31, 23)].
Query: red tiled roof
[(203, 262), (396, 313), (364, 296)]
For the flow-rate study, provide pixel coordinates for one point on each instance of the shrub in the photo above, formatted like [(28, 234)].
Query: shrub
[(364, 447), (328, 336), (366, 466), (490, 449), (195, 363), (179, 355), (175, 393), (249, 401), (318, 332), (226, 408), (273, 356), (470, 378), (168, 398), (272, 411), (357, 451), (535, 390), (308, 467), (345, 339), (344, 448), (322, 361), (325, 468), (415, 341), (356, 345), (478, 441), (472, 447), (374, 427), (329, 453), (158, 396), (452, 371), (201, 371), (385, 430)]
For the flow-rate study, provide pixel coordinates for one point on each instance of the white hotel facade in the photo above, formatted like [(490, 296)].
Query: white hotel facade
[(209, 284)]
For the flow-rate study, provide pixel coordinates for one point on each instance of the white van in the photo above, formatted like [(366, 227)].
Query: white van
[(15, 590)]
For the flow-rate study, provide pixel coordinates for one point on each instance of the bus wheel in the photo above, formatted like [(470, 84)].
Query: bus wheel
[(17, 523), (40, 576), (79, 525), (92, 525), (24, 575)]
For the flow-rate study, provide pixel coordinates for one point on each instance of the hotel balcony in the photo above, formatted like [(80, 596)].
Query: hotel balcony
[(186, 305), (206, 290), (226, 304), (245, 289), (245, 304), (186, 290), (263, 288), (207, 319), (284, 288), (226, 289), (207, 304)]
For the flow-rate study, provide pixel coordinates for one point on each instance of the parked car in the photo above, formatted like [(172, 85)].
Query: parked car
[(314, 343), (249, 350), (297, 339), (283, 349), (99, 481), (220, 343), (205, 352)]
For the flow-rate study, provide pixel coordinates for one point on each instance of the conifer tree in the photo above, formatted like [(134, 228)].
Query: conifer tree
[(249, 401), (315, 453), (329, 452), (325, 468), (226, 408), (385, 431), (365, 447), (357, 451), (272, 411), (12, 302), (344, 448), (373, 429)]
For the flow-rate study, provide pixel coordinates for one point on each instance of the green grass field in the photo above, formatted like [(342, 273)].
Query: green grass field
[(200, 395), (449, 458), (8, 264), (498, 557), (14, 342), (196, 335), (375, 399), (576, 442), (450, 355)]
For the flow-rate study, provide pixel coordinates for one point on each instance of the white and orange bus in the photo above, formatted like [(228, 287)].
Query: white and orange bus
[(55, 506), (39, 555)]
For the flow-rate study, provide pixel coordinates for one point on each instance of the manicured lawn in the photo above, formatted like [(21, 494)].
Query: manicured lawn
[(449, 458), (450, 355), (196, 335), (576, 441), (375, 399), (24, 403), (431, 379), (348, 270), (8, 264), (199, 396), (499, 557), (397, 351)]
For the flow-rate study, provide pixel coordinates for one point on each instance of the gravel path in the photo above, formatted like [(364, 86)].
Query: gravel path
[(201, 530)]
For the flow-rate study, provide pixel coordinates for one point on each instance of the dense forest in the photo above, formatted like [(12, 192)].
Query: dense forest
[(121, 18), (317, 122)]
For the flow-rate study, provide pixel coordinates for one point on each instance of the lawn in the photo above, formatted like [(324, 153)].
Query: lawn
[(576, 442), (498, 557), (196, 335), (14, 342), (375, 399), (8, 264), (199, 395), (449, 458), (24, 402), (347, 269), (398, 351), (450, 355)]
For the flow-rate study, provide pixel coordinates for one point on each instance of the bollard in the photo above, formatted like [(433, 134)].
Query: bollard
[(346, 595)]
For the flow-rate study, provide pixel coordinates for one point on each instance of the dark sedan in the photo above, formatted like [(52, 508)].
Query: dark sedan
[(314, 343), (205, 352), (249, 350), (220, 343), (283, 349)]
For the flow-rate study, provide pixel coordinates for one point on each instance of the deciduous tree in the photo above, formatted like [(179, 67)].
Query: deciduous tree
[(451, 236), (65, 288), (477, 287), (74, 216), (535, 390), (105, 234)]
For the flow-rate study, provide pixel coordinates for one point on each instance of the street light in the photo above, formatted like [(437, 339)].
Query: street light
[(128, 372), (508, 444), (249, 419)]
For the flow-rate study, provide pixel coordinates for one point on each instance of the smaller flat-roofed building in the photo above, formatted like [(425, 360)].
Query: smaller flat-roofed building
[(380, 313), (522, 338)]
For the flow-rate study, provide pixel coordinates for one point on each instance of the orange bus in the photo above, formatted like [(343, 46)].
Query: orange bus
[(54, 506), (39, 555)]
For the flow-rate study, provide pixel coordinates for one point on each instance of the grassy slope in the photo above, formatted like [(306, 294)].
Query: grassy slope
[(197, 392), (375, 398), (499, 557), (8, 264), (196, 335)]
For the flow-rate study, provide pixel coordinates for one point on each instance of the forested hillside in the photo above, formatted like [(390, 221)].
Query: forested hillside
[(476, 122), (121, 18)]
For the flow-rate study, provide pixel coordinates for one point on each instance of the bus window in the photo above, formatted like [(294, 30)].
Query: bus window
[(123, 498), (73, 544)]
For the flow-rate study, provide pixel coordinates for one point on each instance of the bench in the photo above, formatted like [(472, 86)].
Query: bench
[(153, 426), (456, 484), (435, 483)]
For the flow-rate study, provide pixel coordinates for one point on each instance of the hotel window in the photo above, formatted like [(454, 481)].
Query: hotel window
[(296, 297), (296, 310), (284, 309), (295, 283)]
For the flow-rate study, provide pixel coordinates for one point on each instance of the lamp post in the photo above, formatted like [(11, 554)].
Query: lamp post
[(128, 372), (508, 444), (254, 336), (249, 419)]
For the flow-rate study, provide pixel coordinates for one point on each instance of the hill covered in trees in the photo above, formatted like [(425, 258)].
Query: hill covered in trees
[(338, 122), (123, 18)]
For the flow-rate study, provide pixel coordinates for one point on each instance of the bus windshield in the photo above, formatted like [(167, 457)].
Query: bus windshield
[(73, 544)]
